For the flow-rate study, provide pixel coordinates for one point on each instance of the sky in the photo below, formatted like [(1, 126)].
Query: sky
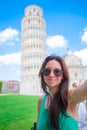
[(66, 27)]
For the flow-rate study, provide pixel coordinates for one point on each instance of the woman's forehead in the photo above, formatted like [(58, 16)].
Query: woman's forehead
[(53, 63)]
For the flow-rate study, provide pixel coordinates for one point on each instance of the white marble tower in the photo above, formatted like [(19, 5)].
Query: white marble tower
[(33, 49)]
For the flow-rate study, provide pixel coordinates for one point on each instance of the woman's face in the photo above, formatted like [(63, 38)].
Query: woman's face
[(53, 79)]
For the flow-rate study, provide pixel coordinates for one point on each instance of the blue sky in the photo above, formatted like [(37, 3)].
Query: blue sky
[(66, 27)]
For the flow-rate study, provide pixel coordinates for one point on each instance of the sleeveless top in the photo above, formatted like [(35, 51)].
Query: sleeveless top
[(66, 122)]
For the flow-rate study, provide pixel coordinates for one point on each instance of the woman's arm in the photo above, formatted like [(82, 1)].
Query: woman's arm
[(80, 93)]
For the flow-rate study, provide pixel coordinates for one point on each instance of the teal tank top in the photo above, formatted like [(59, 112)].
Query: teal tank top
[(66, 121)]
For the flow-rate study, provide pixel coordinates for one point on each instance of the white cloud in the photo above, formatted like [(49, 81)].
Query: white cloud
[(84, 36), (8, 59), (56, 41), (10, 67), (8, 36), (83, 55)]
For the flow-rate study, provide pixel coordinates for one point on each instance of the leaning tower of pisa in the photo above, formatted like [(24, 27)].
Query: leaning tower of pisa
[(33, 49)]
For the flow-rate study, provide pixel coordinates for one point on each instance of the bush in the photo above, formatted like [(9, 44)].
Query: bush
[(0, 86)]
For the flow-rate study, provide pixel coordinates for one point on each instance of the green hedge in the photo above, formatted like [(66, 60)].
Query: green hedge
[(0, 86)]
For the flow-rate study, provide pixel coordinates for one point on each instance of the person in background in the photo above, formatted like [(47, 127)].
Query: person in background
[(57, 108), (82, 112)]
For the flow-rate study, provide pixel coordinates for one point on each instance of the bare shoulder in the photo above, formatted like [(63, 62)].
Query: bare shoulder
[(39, 101)]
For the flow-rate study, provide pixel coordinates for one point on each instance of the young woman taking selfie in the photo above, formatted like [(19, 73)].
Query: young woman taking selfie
[(57, 108)]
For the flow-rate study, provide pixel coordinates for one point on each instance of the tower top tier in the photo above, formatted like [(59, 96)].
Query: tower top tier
[(33, 10)]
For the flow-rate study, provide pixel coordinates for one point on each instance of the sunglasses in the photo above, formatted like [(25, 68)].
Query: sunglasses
[(57, 72)]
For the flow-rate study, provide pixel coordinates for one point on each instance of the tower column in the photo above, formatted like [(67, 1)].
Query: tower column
[(33, 49)]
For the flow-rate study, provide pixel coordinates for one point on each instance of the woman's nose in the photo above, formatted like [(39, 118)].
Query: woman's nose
[(51, 73)]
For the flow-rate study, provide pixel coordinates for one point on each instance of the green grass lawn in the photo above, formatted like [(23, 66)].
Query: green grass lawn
[(17, 112)]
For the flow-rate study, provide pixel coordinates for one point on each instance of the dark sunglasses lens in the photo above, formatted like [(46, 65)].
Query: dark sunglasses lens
[(57, 72), (46, 72)]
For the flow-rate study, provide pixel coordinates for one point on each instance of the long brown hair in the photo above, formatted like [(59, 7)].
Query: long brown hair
[(59, 102)]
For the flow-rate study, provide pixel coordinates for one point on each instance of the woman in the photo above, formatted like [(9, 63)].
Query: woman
[(57, 109)]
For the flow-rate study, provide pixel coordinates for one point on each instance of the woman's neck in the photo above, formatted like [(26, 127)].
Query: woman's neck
[(53, 91)]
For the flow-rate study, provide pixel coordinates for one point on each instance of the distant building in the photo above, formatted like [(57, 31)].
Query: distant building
[(33, 49), (77, 71), (10, 86)]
